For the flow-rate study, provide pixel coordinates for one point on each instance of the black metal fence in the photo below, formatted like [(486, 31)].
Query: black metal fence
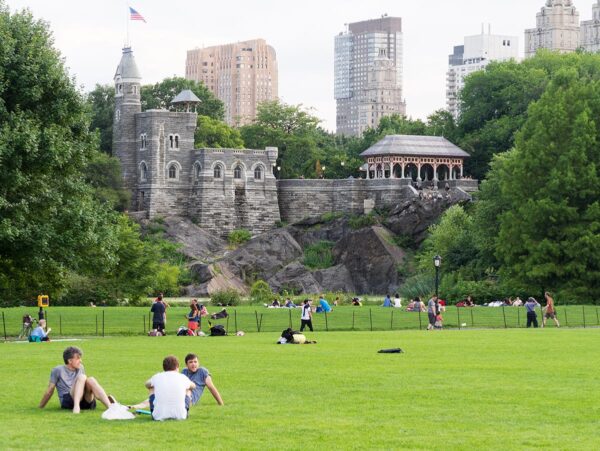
[(83, 321)]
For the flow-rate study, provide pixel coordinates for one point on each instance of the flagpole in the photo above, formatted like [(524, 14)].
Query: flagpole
[(127, 25)]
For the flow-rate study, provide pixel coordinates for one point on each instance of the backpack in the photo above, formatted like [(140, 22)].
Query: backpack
[(184, 332), (218, 330), (154, 333)]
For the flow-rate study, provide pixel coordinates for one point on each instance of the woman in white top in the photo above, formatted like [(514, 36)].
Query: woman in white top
[(397, 301)]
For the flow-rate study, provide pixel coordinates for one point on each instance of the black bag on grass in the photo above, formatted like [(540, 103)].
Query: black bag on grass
[(218, 330)]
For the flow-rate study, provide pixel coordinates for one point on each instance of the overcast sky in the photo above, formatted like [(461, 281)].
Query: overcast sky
[(90, 35)]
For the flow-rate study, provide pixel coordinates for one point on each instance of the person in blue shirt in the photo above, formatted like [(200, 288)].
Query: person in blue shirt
[(325, 307), (201, 377), (40, 333), (387, 302), (530, 306)]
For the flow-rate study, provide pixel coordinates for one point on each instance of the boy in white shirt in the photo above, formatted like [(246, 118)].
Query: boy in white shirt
[(170, 392)]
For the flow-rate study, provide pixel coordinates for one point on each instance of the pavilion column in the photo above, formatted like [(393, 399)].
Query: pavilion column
[(461, 171), (419, 171), (368, 171), (435, 179), (402, 166)]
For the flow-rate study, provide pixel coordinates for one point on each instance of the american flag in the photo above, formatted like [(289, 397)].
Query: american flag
[(134, 15)]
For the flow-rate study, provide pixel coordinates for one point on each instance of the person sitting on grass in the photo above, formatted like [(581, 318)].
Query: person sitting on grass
[(40, 333), (170, 392), (76, 391), (387, 302), (324, 306), (199, 376)]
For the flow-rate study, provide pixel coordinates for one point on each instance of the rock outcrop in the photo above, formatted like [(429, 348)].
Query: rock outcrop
[(365, 260)]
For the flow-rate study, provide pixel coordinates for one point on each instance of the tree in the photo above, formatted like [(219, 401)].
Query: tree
[(546, 200), (293, 130), (49, 220), (495, 101), (215, 133), (103, 173), (160, 95), (102, 104)]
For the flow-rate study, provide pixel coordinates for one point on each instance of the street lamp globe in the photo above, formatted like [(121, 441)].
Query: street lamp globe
[(437, 261)]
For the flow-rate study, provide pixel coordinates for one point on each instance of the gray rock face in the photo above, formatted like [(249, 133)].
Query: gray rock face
[(414, 216), (366, 260), (371, 259), (263, 256), (198, 244), (336, 278), (296, 277)]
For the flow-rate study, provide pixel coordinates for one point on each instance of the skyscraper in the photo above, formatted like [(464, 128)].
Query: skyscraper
[(368, 74), (476, 53), (241, 75), (557, 28), (590, 30)]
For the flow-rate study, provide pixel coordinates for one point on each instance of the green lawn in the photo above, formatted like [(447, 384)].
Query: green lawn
[(467, 389), (86, 321)]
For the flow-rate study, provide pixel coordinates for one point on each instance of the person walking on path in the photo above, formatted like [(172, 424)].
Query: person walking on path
[(530, 306), (306, 316), (550, 310)]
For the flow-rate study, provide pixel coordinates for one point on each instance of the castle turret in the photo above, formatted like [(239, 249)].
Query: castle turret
[(127, 104)]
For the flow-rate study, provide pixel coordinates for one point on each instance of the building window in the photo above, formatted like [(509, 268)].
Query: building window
[(197, 170), (218, 172), (143, 141), (143, 172), (172, 171), (177, 141), (258, 173), (237, 172), (171, 142)]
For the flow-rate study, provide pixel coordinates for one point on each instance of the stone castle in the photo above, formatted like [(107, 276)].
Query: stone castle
[(226, 189)]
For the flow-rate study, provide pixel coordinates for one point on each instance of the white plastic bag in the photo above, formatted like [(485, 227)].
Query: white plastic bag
[(117, 411)]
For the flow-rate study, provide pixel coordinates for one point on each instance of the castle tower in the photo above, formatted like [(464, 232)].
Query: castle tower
[(557, 28), (127, 104)]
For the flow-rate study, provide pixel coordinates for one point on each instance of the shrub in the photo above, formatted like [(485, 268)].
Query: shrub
[(239, 236), (225, 297), (260, 292), (421, 284), (331, 216), (361, 221), (319, 255), (82, 290)]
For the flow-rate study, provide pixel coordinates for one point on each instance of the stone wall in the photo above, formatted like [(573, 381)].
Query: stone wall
[(299, 199)]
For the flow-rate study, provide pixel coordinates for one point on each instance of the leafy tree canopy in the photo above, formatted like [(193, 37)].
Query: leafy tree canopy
[(160, 95), (215, 133)]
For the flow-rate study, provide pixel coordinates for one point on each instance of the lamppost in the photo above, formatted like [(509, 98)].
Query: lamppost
[(437, 262)]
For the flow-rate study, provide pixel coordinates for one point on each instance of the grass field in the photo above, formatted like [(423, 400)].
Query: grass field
[(467, 389), (85, 321)]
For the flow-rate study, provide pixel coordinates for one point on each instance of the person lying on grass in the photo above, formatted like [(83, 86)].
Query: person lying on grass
[(199, 376), (76, 391)]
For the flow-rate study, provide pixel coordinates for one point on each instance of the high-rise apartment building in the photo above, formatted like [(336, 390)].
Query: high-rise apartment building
[(241, 75), (590, 30), (368, 74), (476, 53), (557, 28)]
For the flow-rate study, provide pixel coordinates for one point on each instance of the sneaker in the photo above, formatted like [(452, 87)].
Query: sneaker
[(112, 399)]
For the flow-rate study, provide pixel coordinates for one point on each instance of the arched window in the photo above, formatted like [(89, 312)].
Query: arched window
[(197, 170), (143, 172), (177, 141), (172, 171), (237, 172), (218, 172), (258, 173), (143, 141), (171, 142)]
